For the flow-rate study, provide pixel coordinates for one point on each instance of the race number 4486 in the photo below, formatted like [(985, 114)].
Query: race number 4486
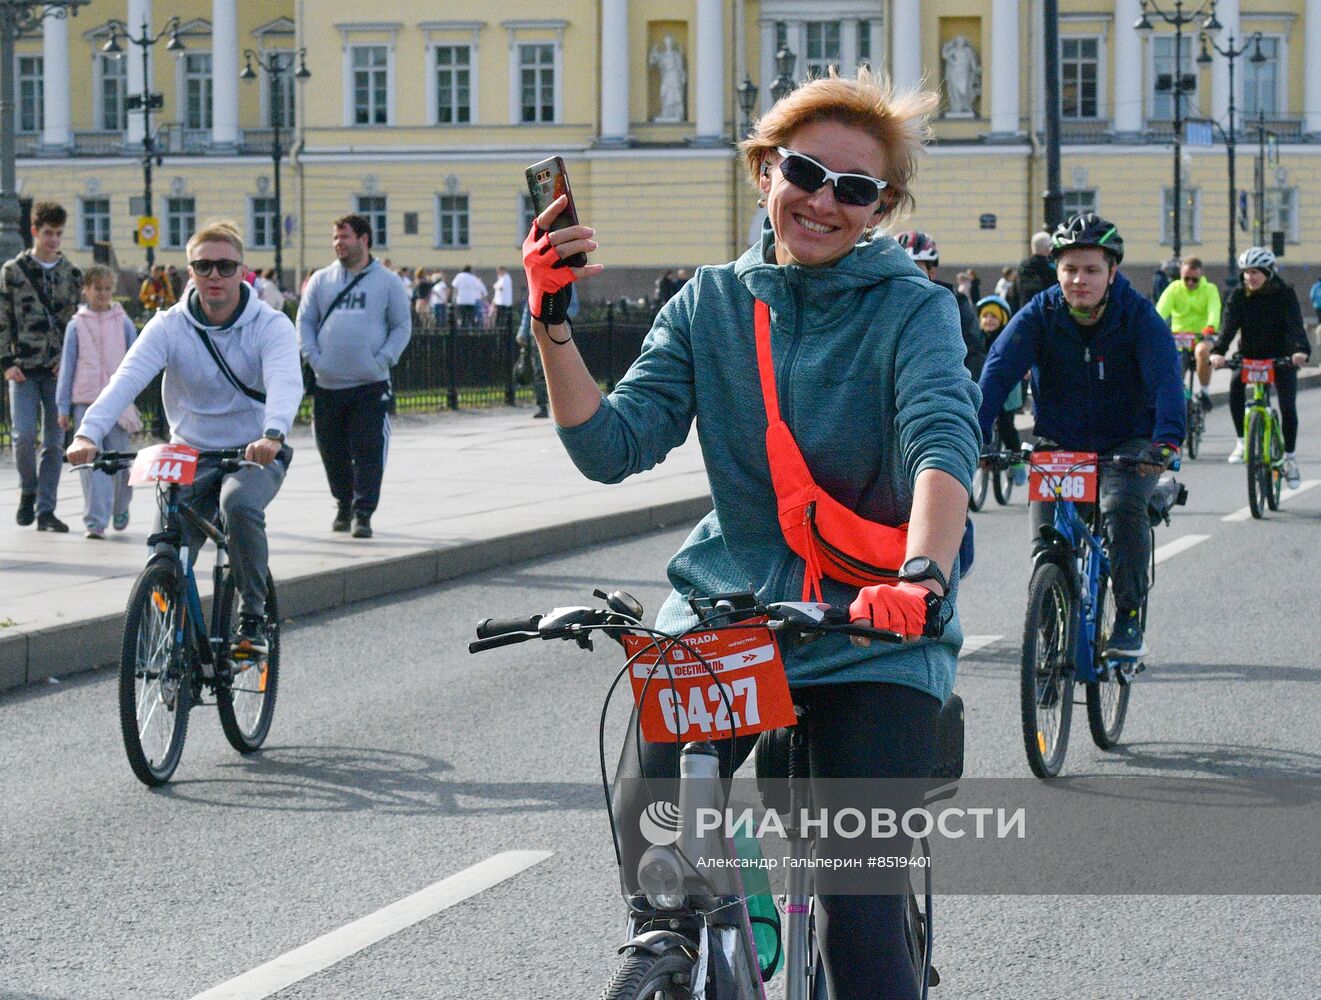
[(1073, 472)]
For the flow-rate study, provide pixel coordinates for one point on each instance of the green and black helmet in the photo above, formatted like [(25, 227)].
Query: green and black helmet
[(1088, 230)]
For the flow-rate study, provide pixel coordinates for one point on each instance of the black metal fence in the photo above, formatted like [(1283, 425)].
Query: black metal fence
[(457, 365)]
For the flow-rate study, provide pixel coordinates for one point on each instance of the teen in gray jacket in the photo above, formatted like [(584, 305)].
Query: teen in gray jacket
[(353, 324)]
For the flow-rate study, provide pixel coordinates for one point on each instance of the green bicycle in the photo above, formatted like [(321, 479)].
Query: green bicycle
[(1263, 437)]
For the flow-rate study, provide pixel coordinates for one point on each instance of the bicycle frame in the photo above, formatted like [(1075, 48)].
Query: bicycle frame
[(1087, 562), (1261, 402)]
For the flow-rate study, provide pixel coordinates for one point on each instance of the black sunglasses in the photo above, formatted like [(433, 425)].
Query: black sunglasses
[(225, 268), (802, 171)]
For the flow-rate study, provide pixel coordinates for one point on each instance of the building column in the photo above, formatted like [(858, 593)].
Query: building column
[(710, 72), (848, 46), (880, 56), (139, 14), (1129, 72), (225, 74), (906, 43), (1227, 11), (614, 73), (1312, 72), (1005, 69), (57, 135), (767, 63)]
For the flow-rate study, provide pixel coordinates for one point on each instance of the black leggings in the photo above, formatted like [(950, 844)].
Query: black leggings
[(857, 730), (1286, 390), (1009, 439)]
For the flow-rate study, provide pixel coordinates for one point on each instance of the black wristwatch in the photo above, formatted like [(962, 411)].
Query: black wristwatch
[(921, 568), (271, 434)]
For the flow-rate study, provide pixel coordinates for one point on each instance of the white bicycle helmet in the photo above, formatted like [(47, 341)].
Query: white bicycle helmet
[(919, 245), (1259, 258)]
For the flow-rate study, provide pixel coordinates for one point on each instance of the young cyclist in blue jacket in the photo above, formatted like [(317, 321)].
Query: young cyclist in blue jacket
[(1105, 379)]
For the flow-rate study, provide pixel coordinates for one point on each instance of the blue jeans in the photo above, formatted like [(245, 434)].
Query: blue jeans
[(32, 402)]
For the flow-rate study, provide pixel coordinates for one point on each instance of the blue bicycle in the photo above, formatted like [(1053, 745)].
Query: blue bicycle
[(1071, 611)]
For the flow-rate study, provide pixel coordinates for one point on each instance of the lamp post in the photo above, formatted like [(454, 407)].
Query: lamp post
[(16, 16), (747, 100), (275, 65), (146, 102), (1178, 19), (783, 84), (1231, 53)]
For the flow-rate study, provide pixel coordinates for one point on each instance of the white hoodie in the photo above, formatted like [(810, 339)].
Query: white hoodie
[(204, 410)]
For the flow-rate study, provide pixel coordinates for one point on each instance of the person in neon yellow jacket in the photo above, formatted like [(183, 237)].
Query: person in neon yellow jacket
[(1192, 305)]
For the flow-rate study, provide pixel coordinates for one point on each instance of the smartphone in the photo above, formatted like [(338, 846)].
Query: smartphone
[(546, 181)]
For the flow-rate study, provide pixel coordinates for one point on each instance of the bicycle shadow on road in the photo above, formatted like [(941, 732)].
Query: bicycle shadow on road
[(1219, 760), (366, 779)]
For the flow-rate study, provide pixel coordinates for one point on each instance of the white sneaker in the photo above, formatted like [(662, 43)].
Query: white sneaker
[(1291, 473), (1236, 456)]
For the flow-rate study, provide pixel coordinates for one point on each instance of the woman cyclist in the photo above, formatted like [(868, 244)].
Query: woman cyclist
[(1263, 313), (868, 369), (992, 317)]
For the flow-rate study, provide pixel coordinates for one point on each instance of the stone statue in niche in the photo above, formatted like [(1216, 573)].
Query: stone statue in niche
[(963, 77), (668, 60)]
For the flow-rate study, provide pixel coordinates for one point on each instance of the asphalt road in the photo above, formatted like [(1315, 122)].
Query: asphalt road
[(398, 761)]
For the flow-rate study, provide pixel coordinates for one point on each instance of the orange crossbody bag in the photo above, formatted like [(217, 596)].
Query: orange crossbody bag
[(830, 538)]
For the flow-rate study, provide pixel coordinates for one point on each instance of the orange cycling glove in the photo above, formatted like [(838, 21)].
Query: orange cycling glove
[(901, 607), (548, 278)]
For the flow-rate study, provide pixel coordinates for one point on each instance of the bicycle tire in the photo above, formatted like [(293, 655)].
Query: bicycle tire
[(981, 484), (644, 975), (1047, 706), (246, 719), (1255, 457), (1193, 417), (1004, 486), (1107, 700), (1275, 468), (146, 676)]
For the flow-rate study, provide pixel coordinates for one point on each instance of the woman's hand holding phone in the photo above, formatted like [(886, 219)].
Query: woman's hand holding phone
[(545, 252)]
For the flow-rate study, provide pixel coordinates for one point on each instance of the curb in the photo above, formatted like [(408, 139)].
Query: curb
[(65, 650)]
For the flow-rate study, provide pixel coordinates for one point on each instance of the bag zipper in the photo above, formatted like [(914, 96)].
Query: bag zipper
[(863, 568)]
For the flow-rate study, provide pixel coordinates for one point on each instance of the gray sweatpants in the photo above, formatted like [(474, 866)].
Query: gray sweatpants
[(242, 498), (32, 402), (104, 495)]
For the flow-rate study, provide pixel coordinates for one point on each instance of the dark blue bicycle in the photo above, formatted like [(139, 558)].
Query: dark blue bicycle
[(1071, 611)]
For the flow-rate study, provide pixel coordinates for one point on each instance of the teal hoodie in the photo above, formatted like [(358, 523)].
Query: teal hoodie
[(869, 365)]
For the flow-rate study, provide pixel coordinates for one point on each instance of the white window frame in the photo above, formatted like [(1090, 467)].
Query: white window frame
[(1101, 81), (1193, 99), (1193, 234), (539, 68), (822, 67), (185, 231), (1281, 79), (40, 92), (436, 213), (1075, 209), (514, 30), (1291, 232), (267, 82), (100, 77), (86, 236), (433, 85), (378, 219), (790, 17), (181, 89), (252, 222), (350, 109), (526, 213)]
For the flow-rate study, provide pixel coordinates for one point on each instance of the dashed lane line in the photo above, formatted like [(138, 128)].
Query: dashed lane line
[(325, 951), (1243, 513), (1181, 544)]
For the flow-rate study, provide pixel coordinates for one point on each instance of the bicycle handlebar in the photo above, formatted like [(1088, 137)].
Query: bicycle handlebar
[(489, 627), (113, 461), (1236, 362)]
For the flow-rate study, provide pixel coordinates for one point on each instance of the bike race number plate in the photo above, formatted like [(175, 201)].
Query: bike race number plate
[(1262, 372), (1185, 341), (164, 463), (1074, 471), (682, 701)]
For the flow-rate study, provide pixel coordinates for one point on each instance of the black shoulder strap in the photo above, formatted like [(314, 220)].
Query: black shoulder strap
[(225, 370), (343, 295)]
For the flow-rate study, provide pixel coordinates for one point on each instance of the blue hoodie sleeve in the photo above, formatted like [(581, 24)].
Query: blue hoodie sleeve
[(1161, 378), (68, 362), (1011, 357), (652, 407)]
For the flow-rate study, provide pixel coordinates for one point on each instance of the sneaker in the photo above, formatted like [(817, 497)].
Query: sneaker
[(362, 526), (1020, 474), (1126, 637), (27, 509), (342, 518), (1236, 456), (249, 640), (541, 413), (120, 521), (1204, 401), (97, 533), (1291, 473), (49, 522)]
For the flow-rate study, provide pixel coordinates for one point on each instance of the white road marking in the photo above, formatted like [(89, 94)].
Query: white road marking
[(325, 951), (1243, 513), (1181, 544), (976, 643)]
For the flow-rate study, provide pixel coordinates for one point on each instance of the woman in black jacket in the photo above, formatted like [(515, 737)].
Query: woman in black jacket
[(1263, 313)]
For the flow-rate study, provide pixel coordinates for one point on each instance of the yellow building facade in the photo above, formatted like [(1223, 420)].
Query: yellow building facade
[(424, 116)]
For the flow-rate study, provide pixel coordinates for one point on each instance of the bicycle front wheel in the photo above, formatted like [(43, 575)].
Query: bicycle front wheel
[(153, 684), (1256, 462), (981, 484), (1275, 464), (1004, 485), (1046, 682), (1193, 415), (247, 703), (646, 976), (1107, 699)]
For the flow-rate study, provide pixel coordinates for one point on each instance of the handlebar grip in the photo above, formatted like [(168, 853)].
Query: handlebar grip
[(489, 627), (868, 632), (508, 639)]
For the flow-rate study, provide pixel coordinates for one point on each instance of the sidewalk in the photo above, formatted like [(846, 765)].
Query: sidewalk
[(463, 492)]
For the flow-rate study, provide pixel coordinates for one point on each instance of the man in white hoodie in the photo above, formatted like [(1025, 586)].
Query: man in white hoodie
[(211, 407)]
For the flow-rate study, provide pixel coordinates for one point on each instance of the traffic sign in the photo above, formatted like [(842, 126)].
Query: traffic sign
[(149, 231)]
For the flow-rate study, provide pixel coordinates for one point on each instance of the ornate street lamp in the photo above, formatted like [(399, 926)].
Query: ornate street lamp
[(747, 100), (784, 70)]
